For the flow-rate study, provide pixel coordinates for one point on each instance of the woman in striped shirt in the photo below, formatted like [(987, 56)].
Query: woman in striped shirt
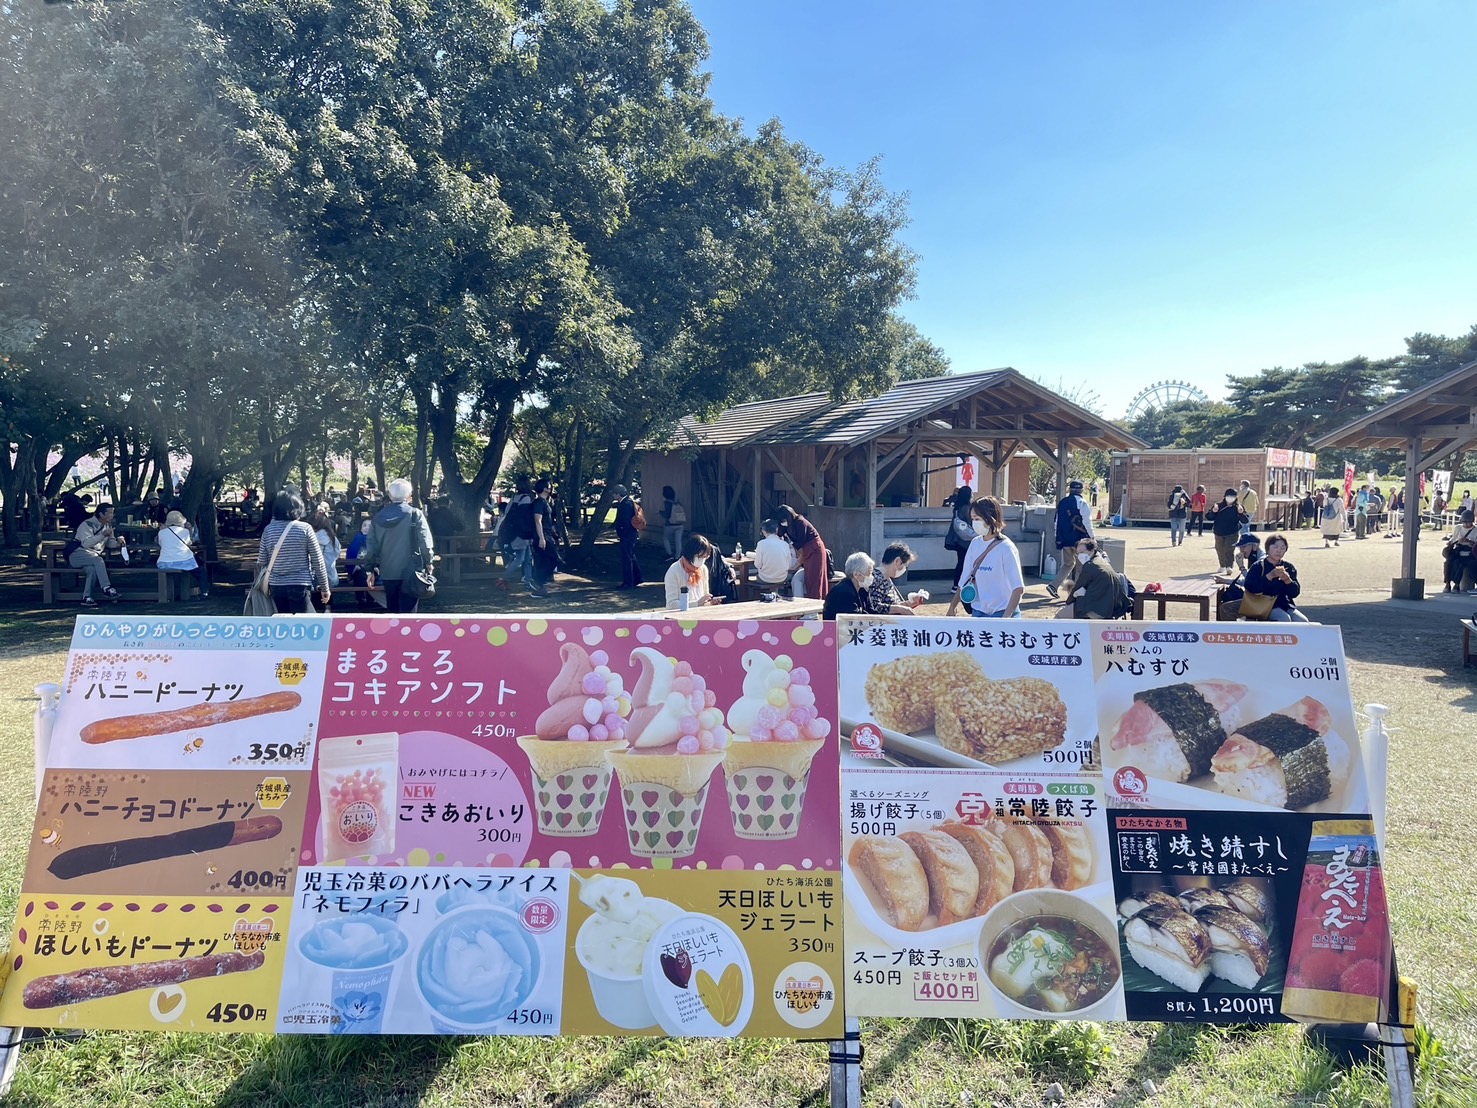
[(299, 565)]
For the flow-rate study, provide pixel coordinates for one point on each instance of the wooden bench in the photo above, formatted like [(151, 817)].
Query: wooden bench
[(359, 590), (457, 554), (63, 582), (1468, 626)]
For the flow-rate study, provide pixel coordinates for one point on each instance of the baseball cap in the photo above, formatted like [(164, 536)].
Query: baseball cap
[(1248, 540), (1075, 486)]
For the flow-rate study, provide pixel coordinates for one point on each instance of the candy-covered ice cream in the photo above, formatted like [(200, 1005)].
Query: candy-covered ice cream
[(586, 717), (475, 967), (676, 738), (777, 729)]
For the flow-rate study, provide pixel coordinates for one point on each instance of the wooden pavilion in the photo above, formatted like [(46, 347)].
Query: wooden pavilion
[(858, 469), (1432, 423)]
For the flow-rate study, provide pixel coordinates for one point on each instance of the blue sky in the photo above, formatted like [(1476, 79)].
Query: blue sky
[(1118, 193)]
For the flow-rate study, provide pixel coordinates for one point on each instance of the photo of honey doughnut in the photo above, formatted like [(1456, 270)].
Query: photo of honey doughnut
[(101, 981), (195, 716)]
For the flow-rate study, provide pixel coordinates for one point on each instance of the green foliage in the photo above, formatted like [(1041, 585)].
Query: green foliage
[(1070, 1052), (1178, 425)]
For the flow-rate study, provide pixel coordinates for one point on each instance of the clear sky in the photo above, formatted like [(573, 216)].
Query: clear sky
[(1120, 193)]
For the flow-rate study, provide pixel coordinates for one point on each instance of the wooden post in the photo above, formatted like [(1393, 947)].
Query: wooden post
[(1408, 586)]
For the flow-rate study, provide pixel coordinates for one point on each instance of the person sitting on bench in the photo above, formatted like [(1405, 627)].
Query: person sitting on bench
[(95, 538)]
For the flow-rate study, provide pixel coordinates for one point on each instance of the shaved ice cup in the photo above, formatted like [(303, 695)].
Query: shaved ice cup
[(457, 1002), (571, 784), (766, 786), (664, 795), (362, 980)]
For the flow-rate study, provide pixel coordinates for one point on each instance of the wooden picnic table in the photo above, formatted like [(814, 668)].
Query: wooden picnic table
[(1202, 591), (753, 609)]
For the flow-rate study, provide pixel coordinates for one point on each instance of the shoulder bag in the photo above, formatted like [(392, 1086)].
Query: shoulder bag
[(1257, 605), (259, 597), (967, 593), (421, 584)]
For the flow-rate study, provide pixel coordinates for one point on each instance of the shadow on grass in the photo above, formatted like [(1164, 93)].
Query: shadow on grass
[(1171, 1047), (353, 1070)]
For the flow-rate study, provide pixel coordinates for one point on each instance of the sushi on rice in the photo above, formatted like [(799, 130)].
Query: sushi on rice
[(1239, 952), (1170, 943), (1289, 759), (1249, 896), (1172, 732)]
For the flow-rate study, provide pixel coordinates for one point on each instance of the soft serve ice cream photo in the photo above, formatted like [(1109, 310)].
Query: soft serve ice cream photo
[(585, 718), (677, 737), (777, 729)]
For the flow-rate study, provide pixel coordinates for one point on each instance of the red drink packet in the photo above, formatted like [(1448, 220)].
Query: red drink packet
[(1338, 968)]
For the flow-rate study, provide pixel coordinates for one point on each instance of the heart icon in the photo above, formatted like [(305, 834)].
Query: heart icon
[(766, 802), (590, 779), (562, 818), (167, 1004), (565, 800), (650, 797), (765, 781), (677, 968)]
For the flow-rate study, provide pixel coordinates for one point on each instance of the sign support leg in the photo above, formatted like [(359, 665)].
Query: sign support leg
[(846, 1067)]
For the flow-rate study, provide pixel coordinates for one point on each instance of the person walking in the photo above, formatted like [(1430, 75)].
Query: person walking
[(1227, 523), (1179, 507), (400, 544), (1073, 523), (327, 536), (628, 533), (1197, 511), (517, 533), (961, 529), (674, 520), (993, 583), (289, 546), (810, 549), (1331, 517), (1249, 504), (544, 553), (1308, 510), (90, 543)]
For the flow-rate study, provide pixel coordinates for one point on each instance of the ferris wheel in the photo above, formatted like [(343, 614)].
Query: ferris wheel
[(1161, 395)]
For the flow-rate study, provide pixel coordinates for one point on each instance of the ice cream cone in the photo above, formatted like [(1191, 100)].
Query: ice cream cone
[(766, 786), (664, 796), (571, 784)]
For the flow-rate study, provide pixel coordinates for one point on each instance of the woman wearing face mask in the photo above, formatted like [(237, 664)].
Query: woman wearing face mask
[(849, 596), (1096, 585), (1226, 521), (992, 578), (690, 571)]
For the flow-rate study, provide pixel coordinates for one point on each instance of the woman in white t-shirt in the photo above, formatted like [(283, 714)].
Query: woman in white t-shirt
[(992, 584), (175, 538)]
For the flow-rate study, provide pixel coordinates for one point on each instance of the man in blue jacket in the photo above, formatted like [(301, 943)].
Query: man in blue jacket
[(1073, 523)]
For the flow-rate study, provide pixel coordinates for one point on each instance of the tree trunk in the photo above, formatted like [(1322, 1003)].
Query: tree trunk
[(377, 425), (353, 475)]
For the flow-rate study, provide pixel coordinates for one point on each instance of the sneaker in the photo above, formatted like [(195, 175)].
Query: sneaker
[(1052, 589), (205, 596), (111, 593), (88, 602)]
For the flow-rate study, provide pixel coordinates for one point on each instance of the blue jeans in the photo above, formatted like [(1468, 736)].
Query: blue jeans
[(1176, 530), (521, 563)]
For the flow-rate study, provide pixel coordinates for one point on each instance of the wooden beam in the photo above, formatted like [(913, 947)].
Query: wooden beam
[(1446, 449), (1043, 450), (895, 458), (1410, 535), (1424, 430), (1461, 398), (957, 434), (784, 470)]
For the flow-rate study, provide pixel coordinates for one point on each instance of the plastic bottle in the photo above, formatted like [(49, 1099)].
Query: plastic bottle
[(1375, 740), (682, 600), (738, 550), (41, 726)]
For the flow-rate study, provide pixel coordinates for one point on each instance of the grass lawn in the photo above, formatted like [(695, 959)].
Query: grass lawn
[(1404, 660)]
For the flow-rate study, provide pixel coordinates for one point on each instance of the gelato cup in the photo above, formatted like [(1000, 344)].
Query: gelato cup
[(766, 786), (474, 968), (363, 951), (571, 784), (613, 953), (664, 796)]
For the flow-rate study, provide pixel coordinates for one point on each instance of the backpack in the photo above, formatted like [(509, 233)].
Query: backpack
[(960, 534), (1123, 600), (638, 520), (1332, 509), (677, 515), (517, 521)]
